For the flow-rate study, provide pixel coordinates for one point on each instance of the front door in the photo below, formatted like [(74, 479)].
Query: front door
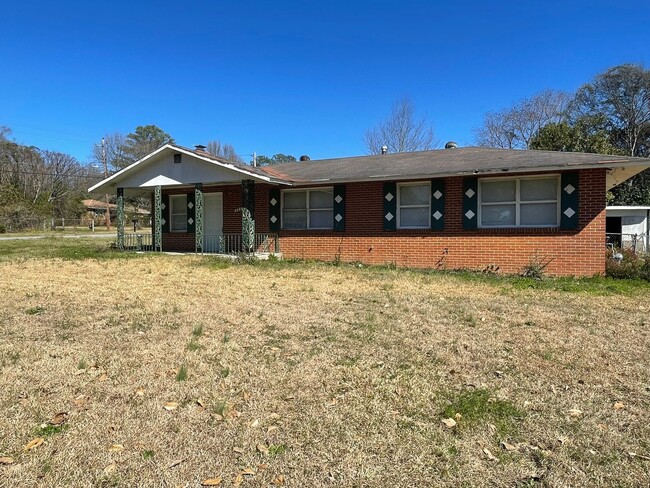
[(212, 221)]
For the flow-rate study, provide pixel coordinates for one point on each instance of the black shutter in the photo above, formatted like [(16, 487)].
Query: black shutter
[(191, 213), (569, 200), (275, 213), (390, 205), (339, 208), (165, 214), (438, 204), (470, 203)]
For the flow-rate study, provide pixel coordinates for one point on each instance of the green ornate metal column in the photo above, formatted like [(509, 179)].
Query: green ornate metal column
[(120, 219), (198, 217), (157, 221)]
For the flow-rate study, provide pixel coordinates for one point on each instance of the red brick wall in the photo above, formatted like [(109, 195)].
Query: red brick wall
[(579, 252)]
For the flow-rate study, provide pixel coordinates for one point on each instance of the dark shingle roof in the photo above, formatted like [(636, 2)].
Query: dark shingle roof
[(442, 162)]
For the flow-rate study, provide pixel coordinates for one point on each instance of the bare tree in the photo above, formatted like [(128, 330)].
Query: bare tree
[(225, 151), (515, 127), (402, 131), (114, 147)]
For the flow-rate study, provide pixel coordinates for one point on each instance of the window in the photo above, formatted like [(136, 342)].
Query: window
[(413, 205), (308, 209), (178, 213), (519, 202), (177, 158)]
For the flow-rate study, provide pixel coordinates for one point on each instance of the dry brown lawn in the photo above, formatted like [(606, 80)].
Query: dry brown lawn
[(313, 375)]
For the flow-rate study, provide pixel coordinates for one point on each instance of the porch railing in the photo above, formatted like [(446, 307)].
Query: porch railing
[(638, 243), (222, 244)]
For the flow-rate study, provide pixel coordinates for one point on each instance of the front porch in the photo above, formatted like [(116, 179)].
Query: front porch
[(226, 244)]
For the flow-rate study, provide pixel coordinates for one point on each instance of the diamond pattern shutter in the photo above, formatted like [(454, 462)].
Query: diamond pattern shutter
[(470, 203), (569, 200), (191, 213), (390, 205), (339, 208), (274, 210), (165, 214), (438, 204)]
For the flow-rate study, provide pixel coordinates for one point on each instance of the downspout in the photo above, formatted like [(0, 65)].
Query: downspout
[(647, 231)]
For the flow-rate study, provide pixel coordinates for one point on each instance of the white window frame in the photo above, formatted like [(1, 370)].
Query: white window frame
[(174, 210), (400, 206), (306, 191), (517, 202)]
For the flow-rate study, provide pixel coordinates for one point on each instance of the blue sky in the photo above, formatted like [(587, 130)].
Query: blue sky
[(289, 76)]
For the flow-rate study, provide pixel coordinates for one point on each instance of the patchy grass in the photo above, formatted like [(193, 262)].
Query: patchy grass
[(342, 374)]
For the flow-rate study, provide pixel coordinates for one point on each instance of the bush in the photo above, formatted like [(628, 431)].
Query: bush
[(632, 267)]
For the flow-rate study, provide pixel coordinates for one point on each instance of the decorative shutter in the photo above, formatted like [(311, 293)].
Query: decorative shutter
[(390, 205), (470, 203), (339, 208), (191, 215), (165, 214), (438, 204), (569, 200), (274, 210)]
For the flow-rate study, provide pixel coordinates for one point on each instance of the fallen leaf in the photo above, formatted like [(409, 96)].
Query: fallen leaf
[(458, 416), (169, 406), (274, 416), (262, 466), (80, 401), (619, 406), (279, 480), (262, 448), (562, 439), (271, 429), (6, 460), (200, 403), (59, 418), (248, 472), (489, 455), (211, 482), (139, 392), (116, 448), (508, 447), (254, 423), (238, 450), (574, 412), (449, 423), (103, 377), (289, 397), (110, 469), (175, 463), (34, 443), (238, 480)]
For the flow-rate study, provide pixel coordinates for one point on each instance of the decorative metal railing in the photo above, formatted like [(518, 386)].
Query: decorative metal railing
[(219, 244), (233, 244), (138, 242)]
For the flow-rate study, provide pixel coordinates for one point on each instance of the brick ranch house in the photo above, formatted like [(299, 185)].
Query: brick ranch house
[(452, 208)]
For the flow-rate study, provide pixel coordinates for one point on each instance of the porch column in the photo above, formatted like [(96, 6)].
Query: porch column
[(157, 221), (198, 217), (120, 219)]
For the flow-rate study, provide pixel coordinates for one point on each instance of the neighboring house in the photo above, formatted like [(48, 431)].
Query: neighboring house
[(476, 208), (628, 227), (98, 208)]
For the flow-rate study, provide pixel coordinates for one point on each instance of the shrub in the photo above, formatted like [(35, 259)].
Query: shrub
[(536, 267), (633, 266)]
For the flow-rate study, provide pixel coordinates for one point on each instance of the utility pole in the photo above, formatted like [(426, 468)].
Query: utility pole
[(108, 198), (255, 159)]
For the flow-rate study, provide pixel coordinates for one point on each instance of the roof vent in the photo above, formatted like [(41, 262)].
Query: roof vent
[(384, 149), (304, 157), (200, 147), (451, 145)]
